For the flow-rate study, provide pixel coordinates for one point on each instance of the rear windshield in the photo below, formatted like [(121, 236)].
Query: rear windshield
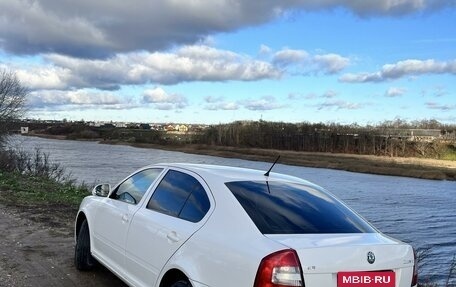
[(287, 208)]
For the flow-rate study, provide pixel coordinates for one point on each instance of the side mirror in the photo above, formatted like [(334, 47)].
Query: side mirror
[(102, 190)]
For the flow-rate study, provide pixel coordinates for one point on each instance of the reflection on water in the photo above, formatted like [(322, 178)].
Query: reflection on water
[(418, 211)]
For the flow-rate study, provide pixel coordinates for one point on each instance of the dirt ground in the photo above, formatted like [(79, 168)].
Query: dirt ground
[(36, 249)]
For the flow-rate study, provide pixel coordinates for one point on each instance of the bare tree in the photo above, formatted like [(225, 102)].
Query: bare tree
[(12, 100)]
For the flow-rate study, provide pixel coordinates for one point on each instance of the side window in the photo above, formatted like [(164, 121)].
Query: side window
[(196, 206), (180, 195), (134, 188)]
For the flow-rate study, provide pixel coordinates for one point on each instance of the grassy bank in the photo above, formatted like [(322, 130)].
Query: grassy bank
[(19, 188), (32, 177), (31, 184), (41, 199)]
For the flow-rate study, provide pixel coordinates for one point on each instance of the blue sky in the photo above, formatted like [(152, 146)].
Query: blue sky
[(220, 61)]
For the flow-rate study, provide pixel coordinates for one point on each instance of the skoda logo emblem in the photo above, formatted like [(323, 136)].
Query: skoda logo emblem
[(370, 257)]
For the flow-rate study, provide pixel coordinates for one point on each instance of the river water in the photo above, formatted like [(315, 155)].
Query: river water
[(421, 212)]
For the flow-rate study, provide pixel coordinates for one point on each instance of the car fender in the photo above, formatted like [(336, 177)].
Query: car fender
[(87, 208), (81, 212)]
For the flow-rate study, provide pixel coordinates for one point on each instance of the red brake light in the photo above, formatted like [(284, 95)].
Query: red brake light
[(415, 270), (280, 269)]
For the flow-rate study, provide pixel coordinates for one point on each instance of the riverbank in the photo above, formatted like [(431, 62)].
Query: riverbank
[(407, 167)]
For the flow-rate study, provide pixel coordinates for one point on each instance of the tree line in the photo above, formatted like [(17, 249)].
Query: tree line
[(390, 138), (398, 138)]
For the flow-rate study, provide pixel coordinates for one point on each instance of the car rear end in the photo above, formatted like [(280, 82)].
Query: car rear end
[(326, 244), (347, 260)]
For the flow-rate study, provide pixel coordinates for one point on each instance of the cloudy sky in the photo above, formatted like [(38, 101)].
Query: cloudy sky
[(214, 61)]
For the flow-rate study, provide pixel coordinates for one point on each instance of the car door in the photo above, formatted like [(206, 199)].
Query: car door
[(178, 207), (113, 216)]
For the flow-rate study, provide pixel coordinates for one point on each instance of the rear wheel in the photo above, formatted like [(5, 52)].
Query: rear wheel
[(181, 283), (83, 259)]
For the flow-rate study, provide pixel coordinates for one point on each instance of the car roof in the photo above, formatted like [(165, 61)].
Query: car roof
[(230, 173)]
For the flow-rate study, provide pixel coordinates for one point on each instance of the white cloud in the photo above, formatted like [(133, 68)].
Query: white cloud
[(330, 94), (189, 63), (225, 106), (301, 62), (403, 69), (44, 78), (439, 91), (212, 99), (441, 107), (331, 63), (165, 106), (395, 92), (286, 57), (88, 28), (311, 96), (163, 100), (186, 64), (156, 95), (417, 67), (360, 78), (56, 99), (296, 96), (436, 91), (340, 105), (262, 104), (219, 103), (265, 50)]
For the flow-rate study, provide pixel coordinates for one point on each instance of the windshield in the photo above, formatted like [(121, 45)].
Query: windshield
[(288, 208)]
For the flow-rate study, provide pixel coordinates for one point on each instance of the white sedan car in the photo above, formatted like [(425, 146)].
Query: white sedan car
[(182, 225)]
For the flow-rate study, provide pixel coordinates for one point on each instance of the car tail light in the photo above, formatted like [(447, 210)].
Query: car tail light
[(280, 269), (415, 270)]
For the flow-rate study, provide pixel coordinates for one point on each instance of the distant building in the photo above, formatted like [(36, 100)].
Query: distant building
[(120, 125), (144, 126), (419, 135), (156, 127), (24, 130), (170, 128), (108, 126), (426, 135), (181, 128)]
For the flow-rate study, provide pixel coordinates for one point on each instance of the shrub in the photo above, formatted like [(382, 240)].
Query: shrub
[(34, 163), (31, 178)]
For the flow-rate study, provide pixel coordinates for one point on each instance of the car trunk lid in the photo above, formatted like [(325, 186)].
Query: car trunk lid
[(324, 256)]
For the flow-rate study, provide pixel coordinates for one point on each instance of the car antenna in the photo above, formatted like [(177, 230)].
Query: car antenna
[(267, 173)]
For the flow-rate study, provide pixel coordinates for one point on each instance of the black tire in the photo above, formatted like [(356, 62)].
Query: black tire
[(181, 283), (83, 259)]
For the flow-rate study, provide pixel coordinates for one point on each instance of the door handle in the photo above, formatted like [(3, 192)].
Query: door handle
[(125, 218), (173, 237)]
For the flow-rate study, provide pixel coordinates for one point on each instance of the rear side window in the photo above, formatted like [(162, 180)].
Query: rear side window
[(287, 208), (180, 195)]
